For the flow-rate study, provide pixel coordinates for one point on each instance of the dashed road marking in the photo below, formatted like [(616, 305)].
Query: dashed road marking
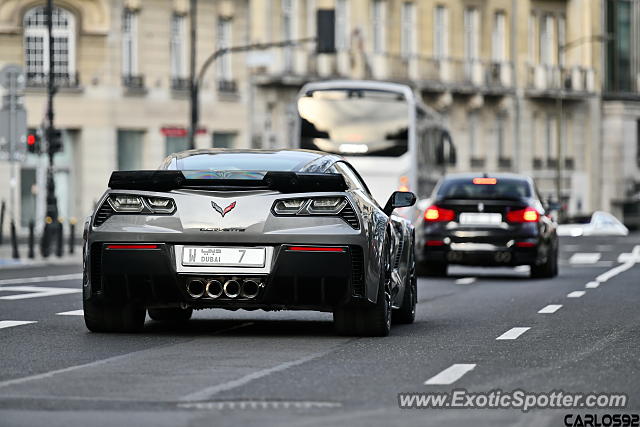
[(12, 323), (522, 268), (450, 375), (465, 281), (592, 285), (630, 262), (35, 292), (575, 294), (58, 278), (585, 258), (551, 308), (513, 333), (72, 313)]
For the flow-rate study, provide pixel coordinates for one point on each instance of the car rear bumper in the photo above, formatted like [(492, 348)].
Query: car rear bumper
[(513, 253), (314, 280)]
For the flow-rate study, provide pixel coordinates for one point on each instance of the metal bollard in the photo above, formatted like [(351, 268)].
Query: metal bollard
[(2, 208), (45, 241), (14, 242), (31, 240), (72, 235), (60, 238)]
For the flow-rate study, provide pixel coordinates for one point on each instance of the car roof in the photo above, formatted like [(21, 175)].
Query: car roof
[(309, 160), (499, 175)]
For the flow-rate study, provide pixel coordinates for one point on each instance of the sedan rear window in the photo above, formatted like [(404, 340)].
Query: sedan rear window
[(484, 188)]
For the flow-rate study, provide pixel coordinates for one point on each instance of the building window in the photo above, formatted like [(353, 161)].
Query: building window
[(533, 30), (408, 35), (378, 30), (499, 39), (175, 144), (178, 48), (550, 140), (36, 43), (130, 149), (342, 25), (441, 30), (546, 40), (471, 34), (129, 43), (623, 47), (223, 63), (290, 30), (562, 37), (472, 119), (638, 142), (224, 139)]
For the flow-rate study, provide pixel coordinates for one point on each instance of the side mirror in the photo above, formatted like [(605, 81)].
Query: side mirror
[(399, 199)]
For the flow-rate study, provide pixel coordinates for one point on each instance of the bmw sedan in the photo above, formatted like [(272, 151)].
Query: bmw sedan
[(486, 220)]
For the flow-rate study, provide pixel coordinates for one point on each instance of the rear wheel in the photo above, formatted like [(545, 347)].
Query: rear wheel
[(127, 317), (548, 269), (407, 312), (174, 314), (433, 269)]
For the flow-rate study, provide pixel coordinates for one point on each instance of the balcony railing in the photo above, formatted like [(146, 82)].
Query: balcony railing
[(181, 84), (133, 81), (61, 80), (227, 86), (551, 78)]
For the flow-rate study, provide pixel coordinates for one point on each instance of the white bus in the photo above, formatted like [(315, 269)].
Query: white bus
[(392, 139)]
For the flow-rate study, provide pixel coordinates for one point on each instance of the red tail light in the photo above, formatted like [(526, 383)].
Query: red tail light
[(437, 214), (528, 214)]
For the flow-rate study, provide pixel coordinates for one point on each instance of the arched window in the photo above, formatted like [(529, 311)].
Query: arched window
[(36, 47)]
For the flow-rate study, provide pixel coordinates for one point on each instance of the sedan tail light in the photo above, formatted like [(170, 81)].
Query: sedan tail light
[(527, 214), (437, 214)]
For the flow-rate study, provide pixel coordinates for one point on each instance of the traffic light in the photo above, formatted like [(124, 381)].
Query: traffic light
[(33, 142), (54, 140)]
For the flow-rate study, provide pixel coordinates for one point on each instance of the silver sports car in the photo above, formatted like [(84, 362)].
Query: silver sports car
[(248, 229)]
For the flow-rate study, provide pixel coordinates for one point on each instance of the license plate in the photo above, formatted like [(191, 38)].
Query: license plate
[(223, 256), (472, 218)]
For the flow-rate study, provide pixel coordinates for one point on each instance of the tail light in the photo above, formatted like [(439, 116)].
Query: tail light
[(527, 214), (437, 214)]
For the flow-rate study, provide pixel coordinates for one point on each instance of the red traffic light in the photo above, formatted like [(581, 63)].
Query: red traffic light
[(31, 139)]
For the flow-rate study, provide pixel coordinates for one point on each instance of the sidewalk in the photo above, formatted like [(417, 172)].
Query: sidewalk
[(7, 261)]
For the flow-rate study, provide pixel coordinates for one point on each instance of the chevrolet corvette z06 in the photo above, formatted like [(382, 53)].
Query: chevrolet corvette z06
[(248, 229)]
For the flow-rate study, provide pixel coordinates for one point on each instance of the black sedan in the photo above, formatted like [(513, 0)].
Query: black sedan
[(486, 220)]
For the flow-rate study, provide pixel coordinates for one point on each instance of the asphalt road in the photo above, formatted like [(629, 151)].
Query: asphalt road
[(289, 368)]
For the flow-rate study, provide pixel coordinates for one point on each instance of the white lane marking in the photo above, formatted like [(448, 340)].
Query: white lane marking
[(12, 323), (522, 268), (633, 259), (72, 313), (585, 258), (551, 308), (513, 333), (450, 375), (206, 393), (50, 374), (58, 278), (465, 281), (592, 285), (35, 292), (575, 294)]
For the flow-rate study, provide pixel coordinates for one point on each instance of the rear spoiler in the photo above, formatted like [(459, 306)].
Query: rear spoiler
[(284, 182)]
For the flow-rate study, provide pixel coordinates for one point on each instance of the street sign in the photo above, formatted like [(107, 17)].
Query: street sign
[(12, 76), (13, 117)]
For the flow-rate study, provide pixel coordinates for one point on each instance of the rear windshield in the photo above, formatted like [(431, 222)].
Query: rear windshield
[(277, 161), (494, 188)]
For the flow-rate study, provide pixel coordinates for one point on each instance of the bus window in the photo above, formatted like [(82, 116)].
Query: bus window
[(355, 122)]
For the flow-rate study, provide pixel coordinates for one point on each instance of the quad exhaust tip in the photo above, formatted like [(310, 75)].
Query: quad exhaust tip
[(231, 288), (195, 288), (250, 289), (214, 289)]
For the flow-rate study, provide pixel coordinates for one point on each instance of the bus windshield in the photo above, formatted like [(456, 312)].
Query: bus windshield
[(354, 122)]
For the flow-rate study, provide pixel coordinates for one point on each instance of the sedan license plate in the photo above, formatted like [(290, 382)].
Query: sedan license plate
[(472, 218), (223, 256)]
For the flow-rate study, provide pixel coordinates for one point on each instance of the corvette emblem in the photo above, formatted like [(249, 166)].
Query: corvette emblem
[(224, 211)]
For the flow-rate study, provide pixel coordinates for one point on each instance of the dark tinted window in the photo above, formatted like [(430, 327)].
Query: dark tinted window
[(464, 188), (278, 161)]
